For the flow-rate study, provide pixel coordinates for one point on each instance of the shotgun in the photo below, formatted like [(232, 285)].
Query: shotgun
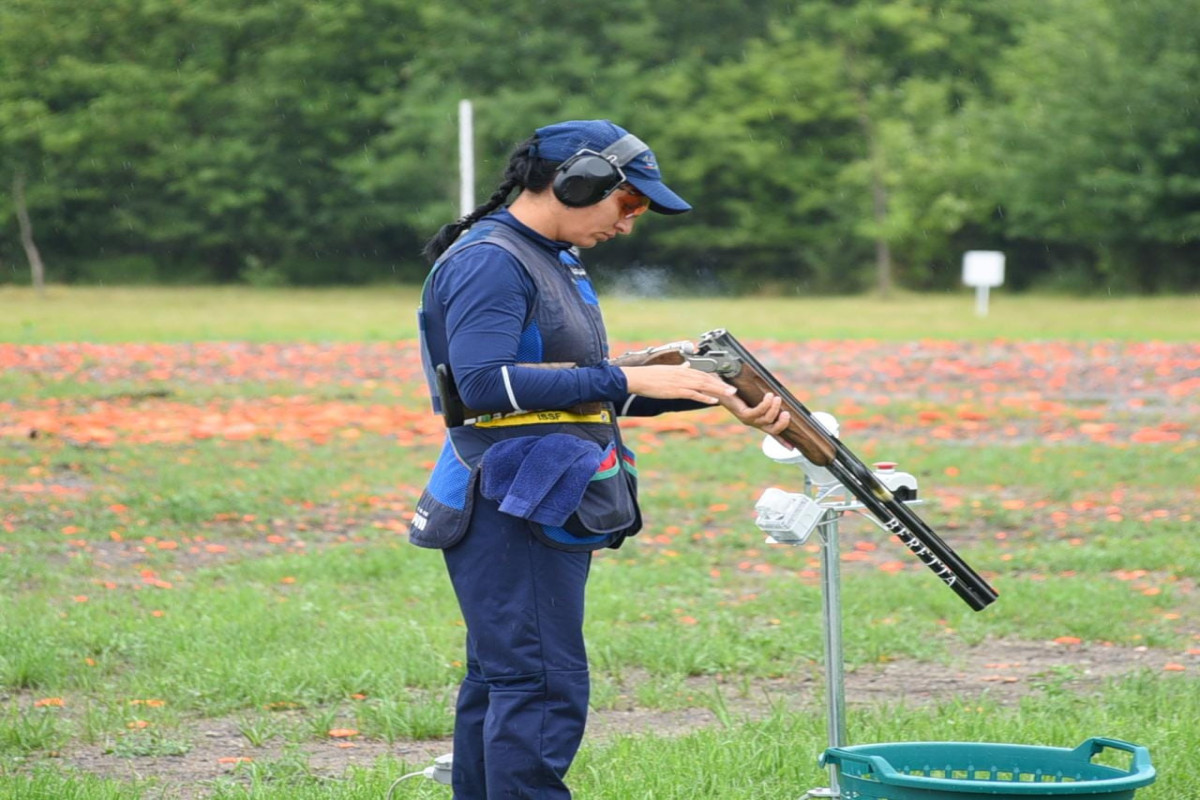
[(719, 352)]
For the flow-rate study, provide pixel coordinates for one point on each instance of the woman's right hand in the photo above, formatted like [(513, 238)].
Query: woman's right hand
[(676, 382)]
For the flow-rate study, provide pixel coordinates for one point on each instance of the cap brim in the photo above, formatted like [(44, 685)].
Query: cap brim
[(662, 199)]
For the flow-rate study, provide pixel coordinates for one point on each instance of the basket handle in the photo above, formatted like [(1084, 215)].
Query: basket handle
[(837, 755), (1092, 747)]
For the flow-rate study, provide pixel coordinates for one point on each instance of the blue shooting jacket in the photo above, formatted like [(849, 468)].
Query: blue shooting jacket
[(501, 297)]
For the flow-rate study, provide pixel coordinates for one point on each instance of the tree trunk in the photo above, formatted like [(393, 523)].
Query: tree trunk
[(885, 280), (883, 251), (36, 267)]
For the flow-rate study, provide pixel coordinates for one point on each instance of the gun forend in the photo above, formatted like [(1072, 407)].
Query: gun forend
[(729, 359), (808, 438)]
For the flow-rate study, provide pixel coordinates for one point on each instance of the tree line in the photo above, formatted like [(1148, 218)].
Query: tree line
[(827, 145)]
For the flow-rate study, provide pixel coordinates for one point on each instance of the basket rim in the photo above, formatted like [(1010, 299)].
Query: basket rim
[(1141, 772)]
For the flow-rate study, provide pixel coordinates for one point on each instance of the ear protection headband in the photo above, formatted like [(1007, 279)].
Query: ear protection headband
[(588, 177)]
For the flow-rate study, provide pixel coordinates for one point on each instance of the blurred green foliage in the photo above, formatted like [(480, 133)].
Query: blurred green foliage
[(310, 142)]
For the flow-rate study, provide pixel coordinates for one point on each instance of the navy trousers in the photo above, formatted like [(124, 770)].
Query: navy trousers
[(523, 705)]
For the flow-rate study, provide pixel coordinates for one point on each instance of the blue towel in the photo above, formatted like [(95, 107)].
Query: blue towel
[(539, 478)]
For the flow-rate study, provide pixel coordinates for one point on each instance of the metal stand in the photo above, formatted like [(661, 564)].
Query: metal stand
[(789, 518), (831, 613)]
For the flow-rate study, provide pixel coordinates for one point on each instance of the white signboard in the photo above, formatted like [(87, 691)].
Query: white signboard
[(983, 269)]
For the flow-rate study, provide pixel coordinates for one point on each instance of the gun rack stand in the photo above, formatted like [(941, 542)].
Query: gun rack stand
[(834, 506)]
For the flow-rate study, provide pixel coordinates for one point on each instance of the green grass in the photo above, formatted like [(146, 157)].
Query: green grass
[(769, 759), (267, 585), (205, 314), (386, 313), (276, 626)]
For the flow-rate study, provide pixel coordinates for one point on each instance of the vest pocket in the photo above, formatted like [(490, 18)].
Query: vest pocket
[(444, 510), (609, 508), (436, 525)]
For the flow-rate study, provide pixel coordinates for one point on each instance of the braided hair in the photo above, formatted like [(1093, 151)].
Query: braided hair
[(525, 171)]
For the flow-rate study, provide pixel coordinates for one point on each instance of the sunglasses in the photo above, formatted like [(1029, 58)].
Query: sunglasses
[(632, 202)]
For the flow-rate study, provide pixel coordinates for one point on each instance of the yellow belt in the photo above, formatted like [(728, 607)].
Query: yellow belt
[(537, 418)]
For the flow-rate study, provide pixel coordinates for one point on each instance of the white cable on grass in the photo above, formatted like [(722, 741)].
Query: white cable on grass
[(395, 783)]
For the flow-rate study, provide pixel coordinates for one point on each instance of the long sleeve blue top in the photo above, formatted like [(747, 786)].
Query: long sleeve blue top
[(476, 306)]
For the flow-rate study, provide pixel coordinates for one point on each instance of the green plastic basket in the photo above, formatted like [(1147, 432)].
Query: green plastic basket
[(965, 771)]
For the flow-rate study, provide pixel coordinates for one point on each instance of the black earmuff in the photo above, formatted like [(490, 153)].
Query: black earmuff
[(588, 177)]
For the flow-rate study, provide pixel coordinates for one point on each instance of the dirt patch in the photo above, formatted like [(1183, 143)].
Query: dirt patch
[(219, 750), (1005, 670), (1002, 670)]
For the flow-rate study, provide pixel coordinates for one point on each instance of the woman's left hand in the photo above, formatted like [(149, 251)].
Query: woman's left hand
[(768, 416)]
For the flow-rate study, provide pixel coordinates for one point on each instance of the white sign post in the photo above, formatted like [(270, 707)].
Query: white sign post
[(466, 158), (983, 269)]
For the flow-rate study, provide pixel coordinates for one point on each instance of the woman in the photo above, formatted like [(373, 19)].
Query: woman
[(533, 475)]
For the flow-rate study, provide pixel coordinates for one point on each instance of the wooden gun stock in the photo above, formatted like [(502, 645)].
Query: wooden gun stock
[(672, 354)]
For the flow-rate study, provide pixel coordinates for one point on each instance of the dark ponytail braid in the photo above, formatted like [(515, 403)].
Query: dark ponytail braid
[(525, 170)]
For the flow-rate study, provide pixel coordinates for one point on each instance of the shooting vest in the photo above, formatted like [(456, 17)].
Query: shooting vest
[(564, 325)]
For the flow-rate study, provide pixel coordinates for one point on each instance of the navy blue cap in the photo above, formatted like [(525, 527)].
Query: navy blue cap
[(562, 140)]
